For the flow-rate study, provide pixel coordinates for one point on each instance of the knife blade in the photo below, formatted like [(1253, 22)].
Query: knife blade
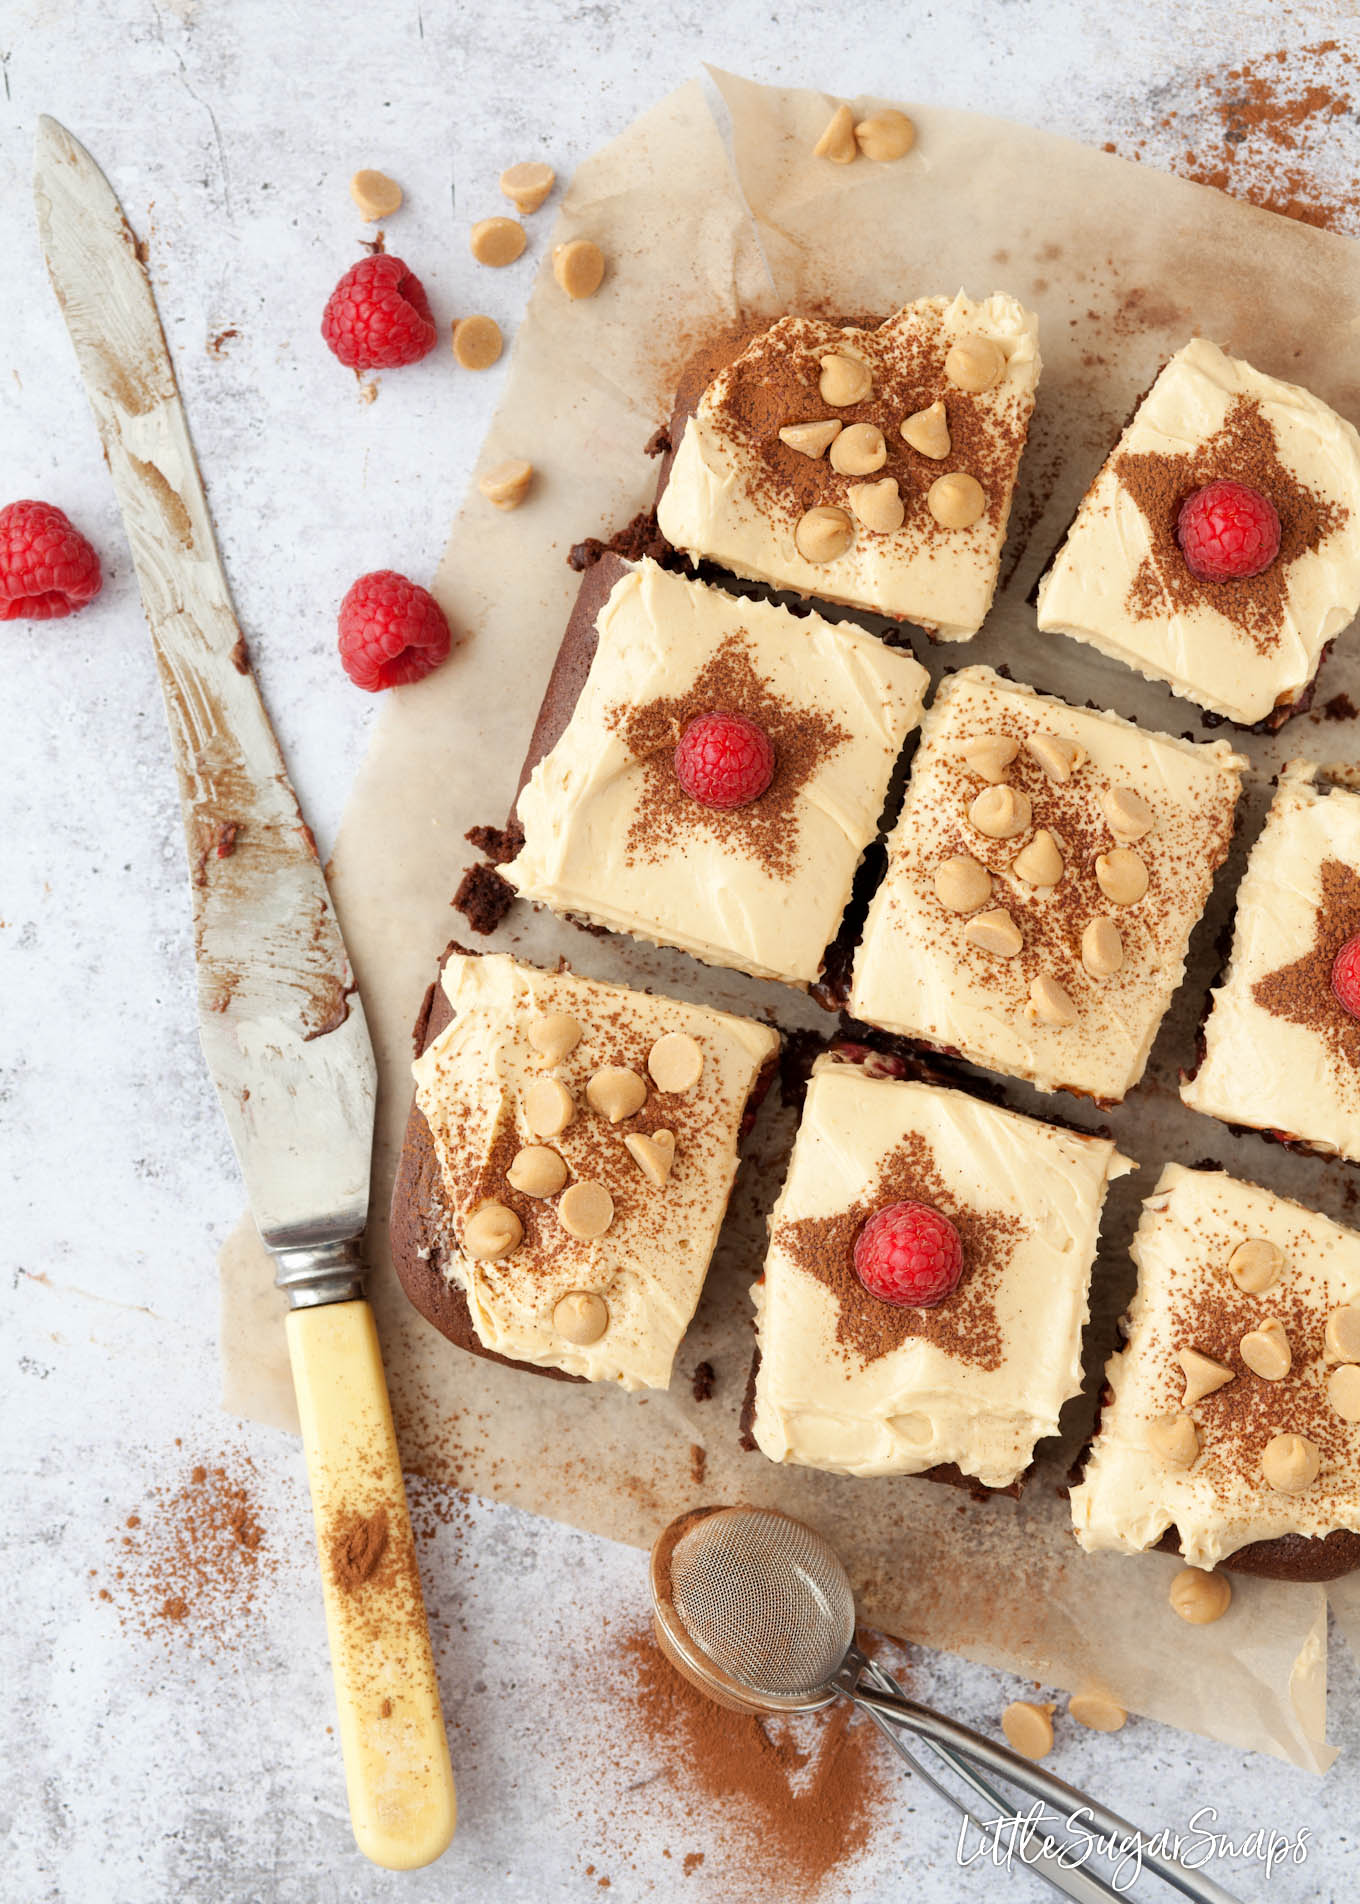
[(280, 1018)]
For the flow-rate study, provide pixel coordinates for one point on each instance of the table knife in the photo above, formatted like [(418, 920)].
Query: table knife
[(282, 1024)]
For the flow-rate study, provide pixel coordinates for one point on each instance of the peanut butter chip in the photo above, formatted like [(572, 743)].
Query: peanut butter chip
[(1266, 1350), (586, 1210), (507, 484), (654, 1155), (1028, 1728), (376, 195), (956, 500), (845, 380), (859, 450), (1341, 1338), (1203, 1376), (991, 755), (1050, 1003), (885, 135), (578, 267), (616, 1092), (1000, 812), (823, 533), (1102, 949), (837, 143), (961, 884), (1121, 876), (497, 240), (536, 1171), (1343, 1391), (548, 1107), (1200, 1598), (527, 184), (1290, 1463), (974, 364), (581, 1317), (927, 431), (810, 439), (676, 1062), (1174, 1440), (878, 505), (476, 342), (491, 1232), (995, 932), (1127, 814), (555, 1036), (1058, 756), (1040, 863), (1255, 1265), (1096, 1712)]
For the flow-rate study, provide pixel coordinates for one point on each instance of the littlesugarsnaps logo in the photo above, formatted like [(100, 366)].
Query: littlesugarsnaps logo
[(1019, 1838)]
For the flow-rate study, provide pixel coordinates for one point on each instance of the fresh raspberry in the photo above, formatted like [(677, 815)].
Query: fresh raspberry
[(378, 316), (47, 568), (1227, 532), (391, 631), (724, 760), (909, 1255), (1346, 976)]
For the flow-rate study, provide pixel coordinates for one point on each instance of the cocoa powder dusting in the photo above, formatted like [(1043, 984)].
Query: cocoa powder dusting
[(357, 1547), (1302, 993)]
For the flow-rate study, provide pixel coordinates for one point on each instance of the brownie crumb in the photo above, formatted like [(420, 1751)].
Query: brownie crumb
[(659, 442), (701, 1382), (483, 898), (641, 538), (698, 1464), (1339, 708), (500, 844)]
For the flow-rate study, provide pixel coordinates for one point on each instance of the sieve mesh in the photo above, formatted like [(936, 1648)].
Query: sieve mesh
[(765, 1598)]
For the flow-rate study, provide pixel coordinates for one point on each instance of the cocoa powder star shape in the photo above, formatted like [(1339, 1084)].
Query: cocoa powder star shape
[(1302, 993)]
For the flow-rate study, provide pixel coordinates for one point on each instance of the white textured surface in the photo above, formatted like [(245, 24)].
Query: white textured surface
[(230, 133)]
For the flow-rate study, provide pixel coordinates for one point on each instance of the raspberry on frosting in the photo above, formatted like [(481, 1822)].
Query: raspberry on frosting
[(1228, 531), (47, 568), (391, 631), (1346, 976), (378, 316), (724, 760), (909, 1254)]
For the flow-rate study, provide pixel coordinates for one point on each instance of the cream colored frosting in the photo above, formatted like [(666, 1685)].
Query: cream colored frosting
[(1260, 1068), (708, 890), (650, 1264), (823, 1406), (1201, 652), (916, 971), (717, 502), (1127, 1499)]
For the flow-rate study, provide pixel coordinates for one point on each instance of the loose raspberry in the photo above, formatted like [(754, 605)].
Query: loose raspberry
[(1346, 976), (391, 631), (909, 1255), (47, 568), (378, 316), (724, 760), (1227, 532)]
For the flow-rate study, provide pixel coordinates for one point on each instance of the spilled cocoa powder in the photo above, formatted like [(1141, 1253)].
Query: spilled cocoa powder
[(356, 1548)]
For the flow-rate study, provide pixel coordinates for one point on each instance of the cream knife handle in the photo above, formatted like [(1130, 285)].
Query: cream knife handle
[(397, 1769)]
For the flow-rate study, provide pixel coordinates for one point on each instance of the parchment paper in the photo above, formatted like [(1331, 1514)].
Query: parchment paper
[(711, 205)]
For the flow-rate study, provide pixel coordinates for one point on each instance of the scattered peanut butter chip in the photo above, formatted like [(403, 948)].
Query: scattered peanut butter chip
[(653, 1154), (837, 143), (956, 500), (1200, 1598), (1096, 1711), (823, 533), (927, 431), (859, 450), (1255, 1265), (1203, 1376), (616, 1092), (811, 439), (1343, 1391), (844, 380), (676, 1062), (991, 755), (974, 364), (376, 195), (581, 1317), (1028, 1728), (491, 1232), (1102, 949), (555, 1036), (1050, 1003), (477, 342), (885, 135), (1041, 862), (1174, 1440), (1122, 876), (1127, 814), (536, 1171), (527, 184), (1000, 812), (1266, 1350), (548, 1107), (962, 884), (995, 932), (1341, 1337), (1290, 1463), (508, 483), (1058, 756), (578, 267), (497, 240), (586, 1210), (878, 505)]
